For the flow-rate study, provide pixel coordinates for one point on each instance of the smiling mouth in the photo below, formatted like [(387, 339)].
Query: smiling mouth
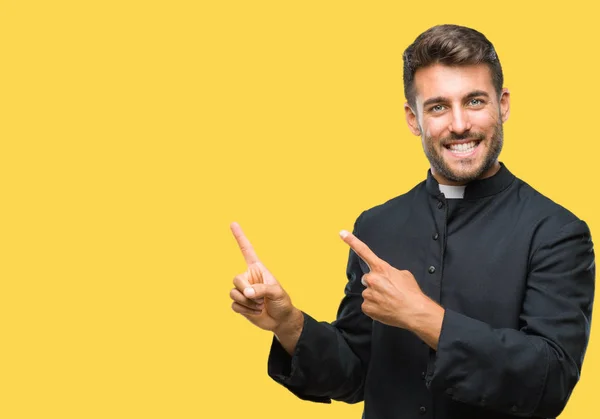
[(463, 148)]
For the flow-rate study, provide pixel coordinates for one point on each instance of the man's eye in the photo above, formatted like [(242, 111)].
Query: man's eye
[(475, 102), (437, 108)]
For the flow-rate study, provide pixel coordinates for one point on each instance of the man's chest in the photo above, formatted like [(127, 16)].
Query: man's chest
[(475, 265)]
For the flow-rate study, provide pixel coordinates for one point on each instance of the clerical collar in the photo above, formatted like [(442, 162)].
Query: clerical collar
[(476, 189), (452, 192)]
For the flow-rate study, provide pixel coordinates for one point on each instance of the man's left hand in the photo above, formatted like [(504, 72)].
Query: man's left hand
[(393, 297)]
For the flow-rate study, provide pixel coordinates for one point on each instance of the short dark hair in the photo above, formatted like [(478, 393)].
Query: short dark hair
[(450, 45)]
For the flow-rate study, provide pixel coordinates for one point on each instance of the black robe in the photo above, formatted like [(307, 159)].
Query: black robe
[(514, 272)]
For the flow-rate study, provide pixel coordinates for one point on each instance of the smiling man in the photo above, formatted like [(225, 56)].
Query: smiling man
[(462, 112), (469, 296)]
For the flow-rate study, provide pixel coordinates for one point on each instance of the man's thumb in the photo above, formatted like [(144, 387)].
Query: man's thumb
[(270, 291)]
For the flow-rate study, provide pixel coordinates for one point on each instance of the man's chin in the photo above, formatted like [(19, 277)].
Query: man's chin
[(470, 172), (462, 174)]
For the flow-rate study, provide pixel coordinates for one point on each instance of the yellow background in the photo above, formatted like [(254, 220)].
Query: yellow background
[(133, 132)]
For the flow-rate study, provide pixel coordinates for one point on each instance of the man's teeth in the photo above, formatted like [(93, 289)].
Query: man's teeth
[(463, 148)]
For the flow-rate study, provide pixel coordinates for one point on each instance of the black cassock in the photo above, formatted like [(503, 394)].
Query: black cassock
[(515, 274)]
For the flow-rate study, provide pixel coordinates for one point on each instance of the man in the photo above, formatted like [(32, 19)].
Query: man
[(470, 296)]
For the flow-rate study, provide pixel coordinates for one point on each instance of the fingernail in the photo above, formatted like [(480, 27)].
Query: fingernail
[(249, 292), (343, 234)]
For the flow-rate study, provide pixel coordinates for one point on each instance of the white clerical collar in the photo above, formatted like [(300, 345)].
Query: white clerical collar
[(453, 192)]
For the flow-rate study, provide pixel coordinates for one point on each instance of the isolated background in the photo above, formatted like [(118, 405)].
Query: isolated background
[(133, 132)]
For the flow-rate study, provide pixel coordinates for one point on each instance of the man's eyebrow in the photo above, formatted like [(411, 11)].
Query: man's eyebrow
[(477, 93), (433, 100), (440, 99)]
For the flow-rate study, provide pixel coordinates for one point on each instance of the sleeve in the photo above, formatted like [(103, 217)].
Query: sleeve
[(531, 371), (330, 360)]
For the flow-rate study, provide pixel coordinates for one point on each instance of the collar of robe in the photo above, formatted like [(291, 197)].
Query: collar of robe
[(476, 189)]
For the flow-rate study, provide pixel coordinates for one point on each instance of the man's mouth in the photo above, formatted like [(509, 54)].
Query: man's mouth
[(463, 148)]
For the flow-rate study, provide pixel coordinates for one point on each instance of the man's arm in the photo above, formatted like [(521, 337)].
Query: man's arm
[(329, 361), (531, 371), (316, 361)]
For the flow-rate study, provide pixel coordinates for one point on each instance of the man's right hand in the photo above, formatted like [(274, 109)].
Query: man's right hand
[(258, 297)]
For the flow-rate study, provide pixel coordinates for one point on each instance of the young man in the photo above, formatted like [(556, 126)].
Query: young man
[(470, 296)]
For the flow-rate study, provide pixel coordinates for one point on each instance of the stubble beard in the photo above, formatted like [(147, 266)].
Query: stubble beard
[(439, 165)]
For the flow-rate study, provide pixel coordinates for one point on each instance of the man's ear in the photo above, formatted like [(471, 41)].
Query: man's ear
[(411, 119), (504, 104)]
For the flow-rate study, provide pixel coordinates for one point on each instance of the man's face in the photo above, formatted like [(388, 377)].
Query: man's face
[(459, 118)]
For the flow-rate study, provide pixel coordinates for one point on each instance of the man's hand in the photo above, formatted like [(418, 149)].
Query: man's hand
[(393, 297), (258, 296)]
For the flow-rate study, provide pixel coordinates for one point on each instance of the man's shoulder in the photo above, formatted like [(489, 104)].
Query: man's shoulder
[(542, 206), (546, 217)]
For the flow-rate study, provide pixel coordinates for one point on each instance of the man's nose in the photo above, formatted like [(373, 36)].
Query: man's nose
[(460, 121)]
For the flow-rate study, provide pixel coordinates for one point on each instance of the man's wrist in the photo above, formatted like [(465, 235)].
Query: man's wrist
[(427, 321), (291, 327)]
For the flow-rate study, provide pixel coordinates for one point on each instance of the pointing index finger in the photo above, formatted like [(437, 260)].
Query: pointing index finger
[(362, 250), (244, 244)]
